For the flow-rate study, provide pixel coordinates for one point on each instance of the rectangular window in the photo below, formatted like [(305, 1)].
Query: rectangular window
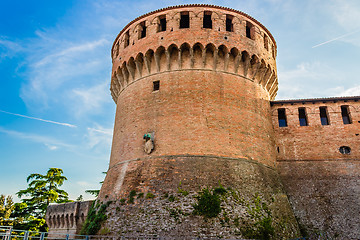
[(302, 117), (324, 116), (126, 39), (250, 31), (229, 23), (162, 23), (142, 30), (184, 20), (207, 22), (282, 117), (156, 85), (345, 113)]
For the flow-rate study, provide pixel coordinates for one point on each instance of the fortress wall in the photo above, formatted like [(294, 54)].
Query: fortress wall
[(322, 184), (193, 113), (316, 141), (66, 218)]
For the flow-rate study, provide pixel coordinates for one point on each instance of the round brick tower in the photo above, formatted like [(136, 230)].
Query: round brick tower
[(192, 85)]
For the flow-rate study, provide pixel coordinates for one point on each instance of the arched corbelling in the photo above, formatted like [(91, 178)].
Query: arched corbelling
[(114, 85), (273, 87), (72, 220), (139, 62), (149, 60), (267, 75), (173, 53), (160, 59), (185, 57), (58, 222), (223, 58), (131, 67), (270, 83), (260, 72), (62, 218), (210, 56), (254, 66), (245, 62), (234, 60), (67, 221), (198, 50), (270, 80), (120, 77), (125, 73)]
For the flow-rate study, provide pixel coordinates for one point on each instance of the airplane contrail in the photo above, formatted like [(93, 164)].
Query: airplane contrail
[(342, 36), (39, 119)]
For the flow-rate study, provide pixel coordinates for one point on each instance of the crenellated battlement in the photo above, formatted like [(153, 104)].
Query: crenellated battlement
[(194, 37), (195, 57)]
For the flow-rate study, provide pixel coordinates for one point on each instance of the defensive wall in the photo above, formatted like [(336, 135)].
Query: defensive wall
[(195, 87), (66, 218), (318, 153)]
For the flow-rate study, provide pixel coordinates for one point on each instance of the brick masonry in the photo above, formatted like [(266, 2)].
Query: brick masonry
[(214, 121)]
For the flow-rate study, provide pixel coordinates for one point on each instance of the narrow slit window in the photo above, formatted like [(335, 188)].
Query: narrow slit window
[(345, 113), (249, 30), (229, 23), (302, 117), (207, 22), (142, 30), (162, 23), (184, 20), (324, 116), (156, 86), (266, 42), (282, 117), (126, 39)]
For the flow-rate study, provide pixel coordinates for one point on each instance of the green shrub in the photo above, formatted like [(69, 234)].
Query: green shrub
[(208, 204), (149, 195), (94, 219)]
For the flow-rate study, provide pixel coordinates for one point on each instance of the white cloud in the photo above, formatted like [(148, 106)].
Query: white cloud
[(9, 48), (51, 143), (90, 100), (307, 80), (99, 137), (341, 91)]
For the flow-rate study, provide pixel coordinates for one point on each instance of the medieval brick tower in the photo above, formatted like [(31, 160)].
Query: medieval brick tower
[(192, 86)]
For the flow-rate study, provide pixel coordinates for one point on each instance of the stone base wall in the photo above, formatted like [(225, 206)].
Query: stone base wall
[(253, 198), (325, 196)]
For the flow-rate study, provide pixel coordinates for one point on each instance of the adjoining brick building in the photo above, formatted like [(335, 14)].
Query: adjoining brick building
[(195, 87)]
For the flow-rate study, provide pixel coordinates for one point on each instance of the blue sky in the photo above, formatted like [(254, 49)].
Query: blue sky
[(55, 68)]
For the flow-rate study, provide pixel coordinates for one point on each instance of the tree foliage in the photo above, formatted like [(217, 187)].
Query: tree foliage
[(6, 208), (43, 190)]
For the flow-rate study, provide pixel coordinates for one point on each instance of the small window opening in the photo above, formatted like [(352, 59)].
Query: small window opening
[(266, 42), (207, 22), (324, 116), (302, 117), (345, 113), (162, 23), (249, 30), (229, 23), (278, 149), (282, 117), (184, 20), (345, 150), (126, 39), (273, 52), (142, 30), (156, 85)]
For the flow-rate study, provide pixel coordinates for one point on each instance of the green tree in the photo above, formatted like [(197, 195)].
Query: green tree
[(6, 208), (42, 190)]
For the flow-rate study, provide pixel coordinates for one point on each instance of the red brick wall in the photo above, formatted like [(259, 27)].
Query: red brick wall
[(315, 141)]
